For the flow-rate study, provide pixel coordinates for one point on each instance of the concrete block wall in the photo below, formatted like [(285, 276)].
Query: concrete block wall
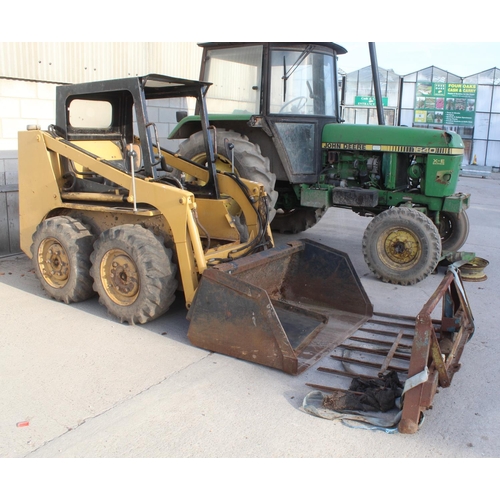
[(163, 113), (24, 103)]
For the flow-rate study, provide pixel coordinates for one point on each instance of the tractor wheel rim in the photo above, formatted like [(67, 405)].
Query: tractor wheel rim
[(222, 164), (120, 277), (53, 262), (399, 248), (445, 228)]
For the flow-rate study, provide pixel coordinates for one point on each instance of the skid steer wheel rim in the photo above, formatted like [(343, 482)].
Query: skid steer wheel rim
[(120, 277), (54, 263), (399, 248)]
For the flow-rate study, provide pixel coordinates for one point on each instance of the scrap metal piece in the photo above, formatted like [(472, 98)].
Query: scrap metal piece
[(474, 270)]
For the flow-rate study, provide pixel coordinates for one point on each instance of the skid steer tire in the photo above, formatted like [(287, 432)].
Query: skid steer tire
[(249, 162), (297, 220), (61, 251), (133, 274), (454, 230), (401, 246)]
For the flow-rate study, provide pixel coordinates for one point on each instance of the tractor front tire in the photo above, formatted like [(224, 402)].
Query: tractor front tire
[(61, 251), (133, 274), (401, 246)]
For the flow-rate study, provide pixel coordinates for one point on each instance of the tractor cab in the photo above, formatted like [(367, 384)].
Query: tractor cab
[(289, 89), (272, 79)]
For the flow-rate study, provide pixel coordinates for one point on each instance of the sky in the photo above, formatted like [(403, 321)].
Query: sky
[(461, 58)]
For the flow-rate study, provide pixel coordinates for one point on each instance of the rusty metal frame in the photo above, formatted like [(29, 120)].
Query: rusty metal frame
[(456, 328), (429, 361)]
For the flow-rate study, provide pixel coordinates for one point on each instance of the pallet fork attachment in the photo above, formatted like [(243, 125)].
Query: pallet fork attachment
[(424, 351)]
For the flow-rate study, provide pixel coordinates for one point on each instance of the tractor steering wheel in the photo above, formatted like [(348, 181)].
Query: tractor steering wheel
[(295, 109)]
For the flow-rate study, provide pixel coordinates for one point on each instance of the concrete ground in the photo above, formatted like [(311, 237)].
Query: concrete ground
[(76, 383)]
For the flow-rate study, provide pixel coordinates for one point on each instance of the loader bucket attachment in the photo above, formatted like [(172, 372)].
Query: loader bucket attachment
[(284, 307)]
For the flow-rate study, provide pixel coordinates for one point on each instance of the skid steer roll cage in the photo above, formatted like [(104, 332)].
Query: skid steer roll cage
[(130, 95)]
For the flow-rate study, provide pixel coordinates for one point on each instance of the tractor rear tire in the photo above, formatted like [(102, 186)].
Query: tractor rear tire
[(133, 274), (297, 220), (454, 230), (61, 251), (249, 162), (401, 246)]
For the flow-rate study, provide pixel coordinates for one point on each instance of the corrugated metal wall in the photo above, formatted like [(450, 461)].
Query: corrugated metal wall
[(76, 62), (9, 204)]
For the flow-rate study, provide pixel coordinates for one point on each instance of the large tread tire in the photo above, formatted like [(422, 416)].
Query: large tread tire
[(454, 230), (401, 246), (61, 251), (297, 220), (133, 274), (249, 162)]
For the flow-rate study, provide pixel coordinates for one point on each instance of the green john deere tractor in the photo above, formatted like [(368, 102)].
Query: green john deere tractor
[(274, 109)]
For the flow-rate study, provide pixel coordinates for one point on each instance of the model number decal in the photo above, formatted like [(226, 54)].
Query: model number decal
[(429, 150), (391, 149)]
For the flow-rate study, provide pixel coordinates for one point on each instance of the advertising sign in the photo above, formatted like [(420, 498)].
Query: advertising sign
[(445, 104)]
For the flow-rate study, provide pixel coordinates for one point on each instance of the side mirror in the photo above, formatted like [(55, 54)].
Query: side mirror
[(180, 115), (134, 152)]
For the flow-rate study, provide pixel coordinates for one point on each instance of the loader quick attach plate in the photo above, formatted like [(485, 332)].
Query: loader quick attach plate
[(285, 307)]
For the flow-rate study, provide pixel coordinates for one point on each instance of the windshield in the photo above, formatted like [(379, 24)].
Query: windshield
[(235, 74), (303, 82)]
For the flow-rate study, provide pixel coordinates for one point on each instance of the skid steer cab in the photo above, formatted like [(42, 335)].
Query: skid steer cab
[(106, 210)]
